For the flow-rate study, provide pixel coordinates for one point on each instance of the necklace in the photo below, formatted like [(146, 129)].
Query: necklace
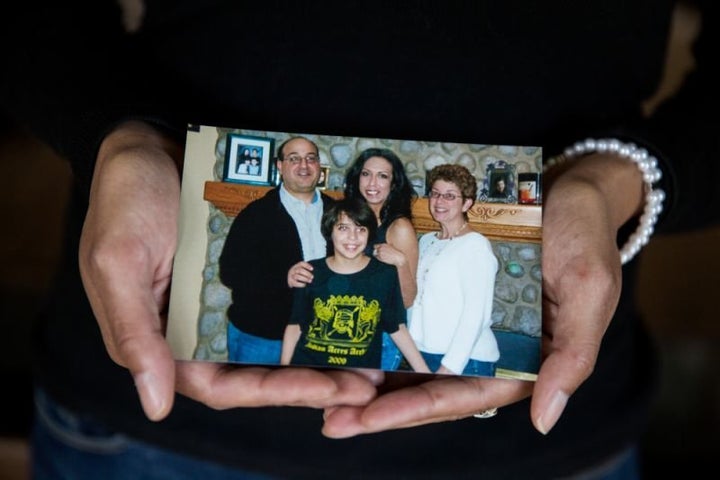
[(429, 253), (454, 234)]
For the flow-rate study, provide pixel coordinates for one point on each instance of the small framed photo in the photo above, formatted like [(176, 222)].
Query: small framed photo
[(324, 178), (499, 185), (249, 159), (529, 188)]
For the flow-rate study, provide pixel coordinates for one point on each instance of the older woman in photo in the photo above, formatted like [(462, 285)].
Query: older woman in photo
[(450, 320)]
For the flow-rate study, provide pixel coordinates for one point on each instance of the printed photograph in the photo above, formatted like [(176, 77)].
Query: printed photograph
[(373, 274)]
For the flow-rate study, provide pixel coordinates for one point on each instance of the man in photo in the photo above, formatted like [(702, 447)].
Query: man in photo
[(266, 238)]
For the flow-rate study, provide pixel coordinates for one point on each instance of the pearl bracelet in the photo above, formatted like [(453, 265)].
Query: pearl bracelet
[(651, 174)]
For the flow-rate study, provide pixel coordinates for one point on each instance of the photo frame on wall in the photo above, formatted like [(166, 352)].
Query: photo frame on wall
[(324, 177), (249, 159), (500, 185)]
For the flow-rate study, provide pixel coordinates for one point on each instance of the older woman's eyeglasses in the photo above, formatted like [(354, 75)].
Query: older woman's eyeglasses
[(445, 196), (310, 158)]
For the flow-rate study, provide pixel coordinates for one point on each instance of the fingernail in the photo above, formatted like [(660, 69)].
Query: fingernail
[(548, 419), (149, 396)]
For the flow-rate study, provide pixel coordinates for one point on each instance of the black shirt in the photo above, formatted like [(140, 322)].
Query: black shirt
[(342, 316)]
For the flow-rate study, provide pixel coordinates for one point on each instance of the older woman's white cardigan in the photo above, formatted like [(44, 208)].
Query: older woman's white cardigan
[(452, 310)]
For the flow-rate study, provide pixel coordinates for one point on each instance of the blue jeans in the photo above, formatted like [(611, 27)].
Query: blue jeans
[(68, 445), (245, 348), (391, 355), (473, 367), (625, 466)]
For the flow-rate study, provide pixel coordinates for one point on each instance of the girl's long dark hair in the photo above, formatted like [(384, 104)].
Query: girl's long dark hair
[(402, 194)]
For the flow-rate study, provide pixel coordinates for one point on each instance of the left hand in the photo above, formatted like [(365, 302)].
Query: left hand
[(126, 250)]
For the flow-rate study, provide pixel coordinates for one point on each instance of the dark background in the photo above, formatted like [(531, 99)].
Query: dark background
[(677, 293)]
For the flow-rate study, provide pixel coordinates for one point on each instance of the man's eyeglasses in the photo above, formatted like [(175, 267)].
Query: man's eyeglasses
[(310, 158), (450, 197)]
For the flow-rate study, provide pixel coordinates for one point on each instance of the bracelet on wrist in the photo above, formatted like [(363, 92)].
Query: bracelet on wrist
[(648, 166)]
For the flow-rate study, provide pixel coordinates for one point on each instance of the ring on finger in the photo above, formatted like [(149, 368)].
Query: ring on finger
[(489, 413)]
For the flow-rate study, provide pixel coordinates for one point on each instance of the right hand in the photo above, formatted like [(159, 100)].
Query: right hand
[(126, 253), (584, 207), (300, 275)]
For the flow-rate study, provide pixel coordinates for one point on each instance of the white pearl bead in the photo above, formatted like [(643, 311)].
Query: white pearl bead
[(639, 154)]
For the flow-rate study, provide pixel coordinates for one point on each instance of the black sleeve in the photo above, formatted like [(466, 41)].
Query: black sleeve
[(394, 313), (260, 247), (686, 131), (299, 306), (683, 133), (243, 244)]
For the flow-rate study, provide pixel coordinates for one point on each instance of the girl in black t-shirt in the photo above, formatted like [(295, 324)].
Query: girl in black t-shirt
[(337, 320)]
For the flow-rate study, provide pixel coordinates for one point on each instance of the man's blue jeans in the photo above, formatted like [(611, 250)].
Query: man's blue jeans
[(245, 348)]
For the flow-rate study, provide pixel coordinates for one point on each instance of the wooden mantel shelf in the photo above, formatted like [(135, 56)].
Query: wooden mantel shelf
[(508, 222)]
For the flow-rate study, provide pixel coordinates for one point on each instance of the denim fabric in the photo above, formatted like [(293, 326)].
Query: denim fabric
[(473, 367), (624, 466), (246, 348), (391, 355), (66, 445)]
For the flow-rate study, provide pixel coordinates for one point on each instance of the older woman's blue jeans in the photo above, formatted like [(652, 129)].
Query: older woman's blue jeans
[(473, 367)]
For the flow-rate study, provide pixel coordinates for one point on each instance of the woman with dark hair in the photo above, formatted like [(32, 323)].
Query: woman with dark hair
[(378, 177)]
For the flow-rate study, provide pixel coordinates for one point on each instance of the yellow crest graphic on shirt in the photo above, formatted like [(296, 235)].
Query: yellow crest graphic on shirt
[(344, 320)]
